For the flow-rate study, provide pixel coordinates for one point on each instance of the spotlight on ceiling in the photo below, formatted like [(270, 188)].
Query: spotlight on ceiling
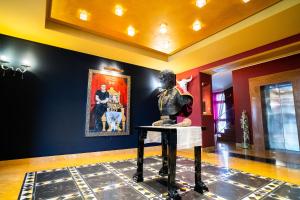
[(163, 28), (246, 1), (83, 15), (119, 11), (200, 3), (166, 45), (130, 31), (197, 25)]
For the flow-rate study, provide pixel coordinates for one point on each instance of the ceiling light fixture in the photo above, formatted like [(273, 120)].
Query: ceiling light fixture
[(166, 45), (83, 15), (197, 25), (119, 11), (163, 28), (130, 31), (200, 3), (246, 1)]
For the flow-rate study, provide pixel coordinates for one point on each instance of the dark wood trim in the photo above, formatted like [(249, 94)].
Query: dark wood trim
[(48, 10)]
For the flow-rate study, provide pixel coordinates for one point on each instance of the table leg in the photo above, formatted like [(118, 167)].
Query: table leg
[(172, 147), (164, 142), (199, 184), (138, 176)]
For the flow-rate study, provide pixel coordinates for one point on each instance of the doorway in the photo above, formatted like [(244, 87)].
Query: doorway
[(223, 106)]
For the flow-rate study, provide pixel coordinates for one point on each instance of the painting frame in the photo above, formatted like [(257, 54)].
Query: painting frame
[(121, 128)]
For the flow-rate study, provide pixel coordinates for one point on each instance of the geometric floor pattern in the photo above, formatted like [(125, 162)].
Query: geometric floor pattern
[(113, 181)]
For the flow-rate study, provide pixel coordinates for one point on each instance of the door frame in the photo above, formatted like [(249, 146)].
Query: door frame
[(255, 84)]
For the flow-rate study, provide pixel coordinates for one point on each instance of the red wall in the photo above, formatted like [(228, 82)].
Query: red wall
[(196, 116), (240, 82), (207, 120), (241, 86), (257, 50), (194, 89)]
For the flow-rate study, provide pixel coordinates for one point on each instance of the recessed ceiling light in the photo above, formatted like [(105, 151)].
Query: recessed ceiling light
[(200, 3), (163, 28), (83, 15), (197, 25), (166, 45), (246, 1), (130, 31), (119, 11)]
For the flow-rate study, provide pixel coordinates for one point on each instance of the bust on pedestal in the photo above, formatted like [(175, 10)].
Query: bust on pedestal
[(173, 101)]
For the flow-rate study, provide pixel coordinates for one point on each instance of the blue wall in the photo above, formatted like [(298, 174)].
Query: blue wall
[(44, 114)]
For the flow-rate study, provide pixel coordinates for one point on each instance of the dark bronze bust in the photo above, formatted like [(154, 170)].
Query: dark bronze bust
[(173, 101)]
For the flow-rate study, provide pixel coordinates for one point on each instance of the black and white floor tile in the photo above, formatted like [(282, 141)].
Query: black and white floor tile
[(113, 181)]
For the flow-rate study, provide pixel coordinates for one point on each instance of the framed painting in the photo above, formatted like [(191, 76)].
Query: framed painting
[(108, 104)]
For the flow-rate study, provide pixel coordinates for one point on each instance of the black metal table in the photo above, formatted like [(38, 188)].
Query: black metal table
[(169, 142)]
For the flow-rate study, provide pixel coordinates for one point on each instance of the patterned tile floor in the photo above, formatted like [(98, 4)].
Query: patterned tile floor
[(112, 181)]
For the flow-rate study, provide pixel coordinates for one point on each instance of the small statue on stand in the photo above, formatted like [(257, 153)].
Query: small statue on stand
[(245, 128), (173, 100)]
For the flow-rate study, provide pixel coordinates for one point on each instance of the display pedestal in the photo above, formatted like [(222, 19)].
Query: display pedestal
[(169, 141)]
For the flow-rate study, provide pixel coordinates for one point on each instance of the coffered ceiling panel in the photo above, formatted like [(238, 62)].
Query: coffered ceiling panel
[(146, 17)]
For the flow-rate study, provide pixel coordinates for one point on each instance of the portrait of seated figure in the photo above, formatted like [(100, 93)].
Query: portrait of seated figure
[(108, 104), (115, 112)]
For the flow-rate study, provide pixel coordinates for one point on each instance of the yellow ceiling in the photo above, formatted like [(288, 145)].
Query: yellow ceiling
[(146, 16), (26, 19)]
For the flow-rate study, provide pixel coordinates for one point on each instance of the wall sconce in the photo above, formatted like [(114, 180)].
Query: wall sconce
[(4, 62), (113, 68), (110, 68)]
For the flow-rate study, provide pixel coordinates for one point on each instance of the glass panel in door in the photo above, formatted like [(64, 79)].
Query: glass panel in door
[(280, 117), (289, 117)]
